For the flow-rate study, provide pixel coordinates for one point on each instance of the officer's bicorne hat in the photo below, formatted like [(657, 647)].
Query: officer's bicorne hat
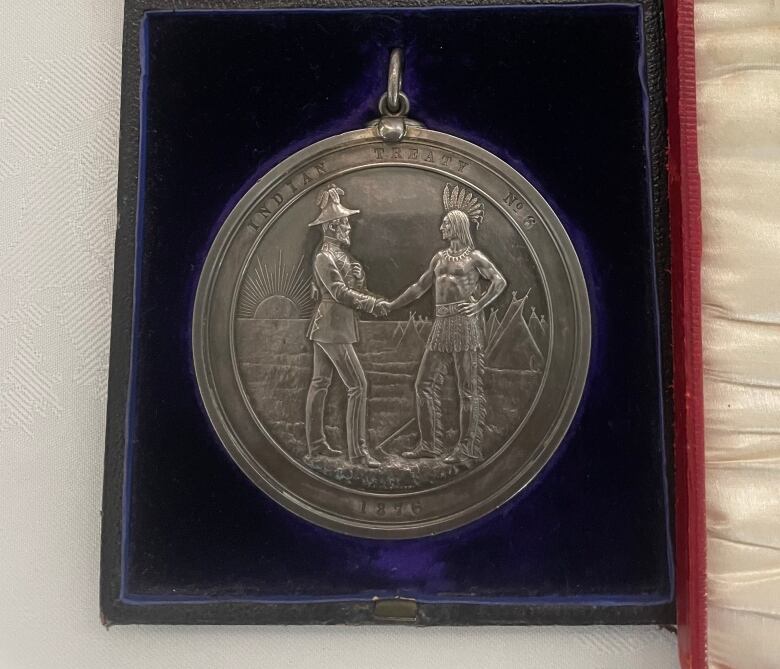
[(331, 209)]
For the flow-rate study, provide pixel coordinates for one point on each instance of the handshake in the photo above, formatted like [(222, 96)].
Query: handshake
[(382, 307)]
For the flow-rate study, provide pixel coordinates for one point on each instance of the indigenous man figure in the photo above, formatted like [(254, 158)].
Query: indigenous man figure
[(339, 286), (457, 335)]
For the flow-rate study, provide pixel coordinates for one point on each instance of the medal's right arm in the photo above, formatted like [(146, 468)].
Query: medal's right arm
[(418, 288)]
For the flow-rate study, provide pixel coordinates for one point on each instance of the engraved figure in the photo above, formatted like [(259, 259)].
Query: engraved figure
[(457, 335), (339, 288)]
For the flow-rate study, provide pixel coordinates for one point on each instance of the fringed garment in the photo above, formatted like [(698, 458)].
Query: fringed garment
[(457, 339), (452, 332)]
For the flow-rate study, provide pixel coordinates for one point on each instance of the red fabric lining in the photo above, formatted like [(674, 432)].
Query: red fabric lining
[(685, 220)]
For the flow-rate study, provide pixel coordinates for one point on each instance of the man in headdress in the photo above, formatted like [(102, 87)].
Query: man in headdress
[(339, 285), (457, 334)]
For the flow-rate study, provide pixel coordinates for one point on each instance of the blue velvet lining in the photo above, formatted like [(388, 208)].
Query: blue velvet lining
[(558, 92)]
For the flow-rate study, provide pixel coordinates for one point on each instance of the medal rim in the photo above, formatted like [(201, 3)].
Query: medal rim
[(289, 498)]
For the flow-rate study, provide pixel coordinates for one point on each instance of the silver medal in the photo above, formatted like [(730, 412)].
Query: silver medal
[(391, 331)]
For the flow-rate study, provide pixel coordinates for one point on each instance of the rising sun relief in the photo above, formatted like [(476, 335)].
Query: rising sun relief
[(275, 291)]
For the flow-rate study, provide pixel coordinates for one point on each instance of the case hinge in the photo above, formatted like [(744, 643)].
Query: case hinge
[(397, 610)]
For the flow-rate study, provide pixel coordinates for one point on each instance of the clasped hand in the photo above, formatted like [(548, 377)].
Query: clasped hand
[(382, 307), (356, 270)]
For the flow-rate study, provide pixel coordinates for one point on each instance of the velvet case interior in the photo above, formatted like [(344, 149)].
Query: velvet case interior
[(558, 92)]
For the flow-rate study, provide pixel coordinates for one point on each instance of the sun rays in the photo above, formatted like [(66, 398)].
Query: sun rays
[(275, 291)]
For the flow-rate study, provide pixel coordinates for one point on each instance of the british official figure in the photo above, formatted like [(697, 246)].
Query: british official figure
[(457, 335), (339, 287)]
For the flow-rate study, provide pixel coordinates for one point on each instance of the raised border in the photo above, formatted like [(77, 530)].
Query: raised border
[(205, 359)]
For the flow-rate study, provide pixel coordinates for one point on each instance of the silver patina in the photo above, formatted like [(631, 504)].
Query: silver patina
[(391, 331)]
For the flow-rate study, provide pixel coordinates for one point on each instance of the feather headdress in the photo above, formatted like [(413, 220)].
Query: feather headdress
[(460, 199)]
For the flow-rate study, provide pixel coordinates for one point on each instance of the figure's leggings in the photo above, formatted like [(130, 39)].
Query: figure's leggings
[(431, 376)]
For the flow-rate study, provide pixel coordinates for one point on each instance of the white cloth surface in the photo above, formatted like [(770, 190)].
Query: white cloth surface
[(738, 72), (59, 114)]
